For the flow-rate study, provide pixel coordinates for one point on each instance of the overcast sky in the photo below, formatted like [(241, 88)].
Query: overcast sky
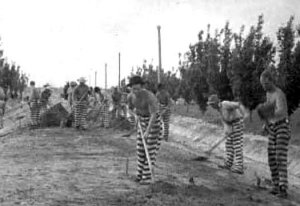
[(59, 40)]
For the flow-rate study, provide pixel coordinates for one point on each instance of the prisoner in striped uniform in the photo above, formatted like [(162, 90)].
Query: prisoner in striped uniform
[(70, 91), (232, 115), (279, 135), (80, 100), (116, 98), (34, 103), (45, 96), (104, 113), (147, 112), (164, 100), (2, 106)]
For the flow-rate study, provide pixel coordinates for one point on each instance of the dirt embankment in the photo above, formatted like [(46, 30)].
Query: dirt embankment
[(202, 136)]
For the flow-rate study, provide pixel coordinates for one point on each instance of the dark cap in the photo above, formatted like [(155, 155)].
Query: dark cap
[(135, 80)]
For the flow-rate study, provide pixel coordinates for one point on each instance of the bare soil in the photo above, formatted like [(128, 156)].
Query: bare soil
[(59, 166)]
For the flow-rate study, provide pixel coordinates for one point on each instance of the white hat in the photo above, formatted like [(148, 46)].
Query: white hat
[(82, 80)]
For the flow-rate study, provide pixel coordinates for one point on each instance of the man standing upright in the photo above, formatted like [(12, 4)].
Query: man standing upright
[(71, 118), (278, 129), (34, 103), (45, 96), (80, 100), (2, 106), (164, 100), (116, 98)]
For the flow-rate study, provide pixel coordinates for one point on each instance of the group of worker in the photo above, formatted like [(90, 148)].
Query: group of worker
[(149, 114), (274, 114), (150, 110)]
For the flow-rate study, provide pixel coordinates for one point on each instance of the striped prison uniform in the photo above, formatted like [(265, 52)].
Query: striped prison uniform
[(104, 114), (145, 104), (165, 120), (81, 114), (80, 100), (143, 170), (44, 100), (34, 108), (234, 145), (279, 136), (232, 115)]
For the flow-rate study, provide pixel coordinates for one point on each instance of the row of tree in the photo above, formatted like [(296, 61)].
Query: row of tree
[(12, 79), (230, 64)]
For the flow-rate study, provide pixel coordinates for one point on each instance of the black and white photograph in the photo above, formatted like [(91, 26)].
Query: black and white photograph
[(149, 102)]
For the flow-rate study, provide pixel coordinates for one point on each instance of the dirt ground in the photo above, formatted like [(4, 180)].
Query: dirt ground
[(64, 167)]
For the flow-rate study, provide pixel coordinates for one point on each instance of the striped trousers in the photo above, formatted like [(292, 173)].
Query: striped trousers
[(35, 113), (143, 170), (279, 136), (165, 119), (234, 146), (81, 114), (104, 115)]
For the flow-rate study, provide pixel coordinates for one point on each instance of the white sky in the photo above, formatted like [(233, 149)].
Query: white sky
[(59, 40)]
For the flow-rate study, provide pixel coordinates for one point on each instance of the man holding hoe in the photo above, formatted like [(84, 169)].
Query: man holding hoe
[(148, 129), (232, 115)]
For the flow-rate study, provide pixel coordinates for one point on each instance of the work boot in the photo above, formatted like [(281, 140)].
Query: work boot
[(282, 192), (237, 170), (275, 190), (224, 166)]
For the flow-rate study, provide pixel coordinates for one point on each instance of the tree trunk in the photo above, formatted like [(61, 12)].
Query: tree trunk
[(251, 116), (187, 108)]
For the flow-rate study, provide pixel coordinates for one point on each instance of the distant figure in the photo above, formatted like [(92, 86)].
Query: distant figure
[(116, 98), (2, 106), (279, 133), (66, 87), (232, 115), (98, 96), (104, 113), (164, 101), (45, 96), (34, 103), (80, 99), (131, 109), (123, 104), (71, 118)]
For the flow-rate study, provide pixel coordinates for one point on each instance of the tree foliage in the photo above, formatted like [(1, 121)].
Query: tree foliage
[(12, 80), (230, 64)]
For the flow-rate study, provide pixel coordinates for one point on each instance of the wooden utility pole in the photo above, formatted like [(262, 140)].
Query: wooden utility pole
[(159, 55), (119, 69), (105, 76)]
